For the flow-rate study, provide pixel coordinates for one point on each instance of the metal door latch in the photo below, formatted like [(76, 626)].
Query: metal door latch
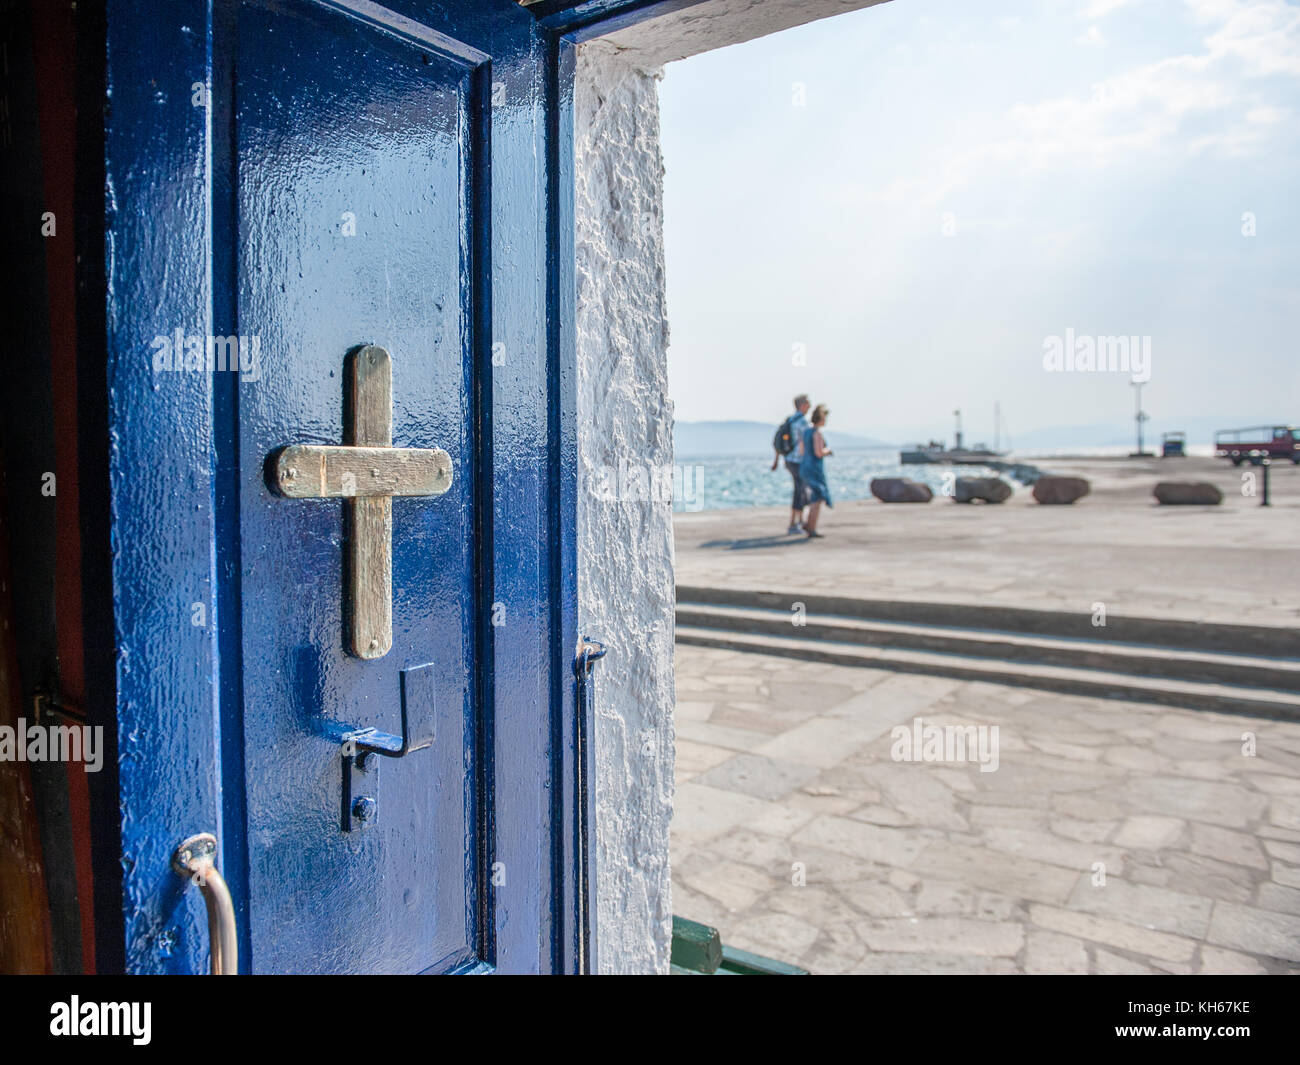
[(589, 652), (47, 704), (361, 748)]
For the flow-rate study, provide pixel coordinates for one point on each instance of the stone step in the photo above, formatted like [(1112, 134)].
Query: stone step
[(1264, 641), (1192, 695), (1247, 671)]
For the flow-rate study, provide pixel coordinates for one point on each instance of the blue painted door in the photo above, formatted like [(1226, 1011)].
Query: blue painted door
[(310, 177), (353, 153)]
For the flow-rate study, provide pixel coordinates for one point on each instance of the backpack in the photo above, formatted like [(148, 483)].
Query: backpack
[(784, 440)]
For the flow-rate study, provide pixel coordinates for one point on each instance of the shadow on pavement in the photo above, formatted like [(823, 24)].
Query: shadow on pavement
[(757, 541)]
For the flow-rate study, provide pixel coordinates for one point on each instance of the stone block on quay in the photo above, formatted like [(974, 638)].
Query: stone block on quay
[(900, 490), (1188, 493), (1052, 489), (985, 489)]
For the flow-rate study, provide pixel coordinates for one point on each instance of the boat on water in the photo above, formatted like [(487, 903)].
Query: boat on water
[(920, 454), (936, 451)]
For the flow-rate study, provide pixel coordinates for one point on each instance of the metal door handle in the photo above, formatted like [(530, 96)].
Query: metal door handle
[(196, 860)]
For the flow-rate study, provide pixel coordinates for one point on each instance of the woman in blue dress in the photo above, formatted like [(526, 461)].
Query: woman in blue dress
[(811, 472)]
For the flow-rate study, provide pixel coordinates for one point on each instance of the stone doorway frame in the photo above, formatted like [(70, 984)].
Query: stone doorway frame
[(626, 594)]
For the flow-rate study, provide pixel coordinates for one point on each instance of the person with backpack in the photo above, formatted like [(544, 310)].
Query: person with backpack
[(788, 444)]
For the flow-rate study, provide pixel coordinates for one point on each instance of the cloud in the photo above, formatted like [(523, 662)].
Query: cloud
[(1268, 116), (1101, 8), (1264, 36), (1091, 37), (1209, 102), (1186, 104)]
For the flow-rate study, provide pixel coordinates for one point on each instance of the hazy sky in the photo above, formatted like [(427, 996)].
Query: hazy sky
[(1091, 160)]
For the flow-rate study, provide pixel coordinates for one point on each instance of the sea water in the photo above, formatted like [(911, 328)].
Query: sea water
[(723, 482)]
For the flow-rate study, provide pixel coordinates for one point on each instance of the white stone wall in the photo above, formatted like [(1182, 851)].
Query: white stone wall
[(625, 544)]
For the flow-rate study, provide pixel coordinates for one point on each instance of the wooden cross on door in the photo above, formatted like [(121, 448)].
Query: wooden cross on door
[(367, 472)]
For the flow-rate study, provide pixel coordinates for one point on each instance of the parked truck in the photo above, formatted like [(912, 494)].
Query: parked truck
[(1253, 445)]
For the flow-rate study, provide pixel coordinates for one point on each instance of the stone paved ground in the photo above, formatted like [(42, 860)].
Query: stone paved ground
[(1238, 562), (924, 867)]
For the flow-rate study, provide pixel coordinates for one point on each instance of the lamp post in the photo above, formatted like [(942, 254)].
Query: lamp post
[(1139, 417)]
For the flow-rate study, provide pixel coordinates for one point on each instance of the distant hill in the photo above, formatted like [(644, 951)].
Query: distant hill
[(748, 438)]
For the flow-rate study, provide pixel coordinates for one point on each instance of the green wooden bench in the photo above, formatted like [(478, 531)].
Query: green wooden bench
[(698, 950)]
